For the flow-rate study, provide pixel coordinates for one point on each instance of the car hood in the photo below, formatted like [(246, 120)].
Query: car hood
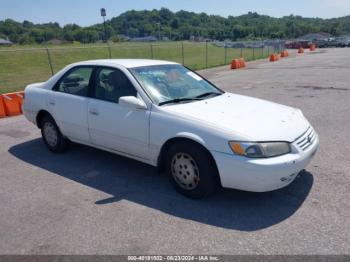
[(246, 117)]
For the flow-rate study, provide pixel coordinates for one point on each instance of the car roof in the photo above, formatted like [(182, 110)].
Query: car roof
[(128, 63)]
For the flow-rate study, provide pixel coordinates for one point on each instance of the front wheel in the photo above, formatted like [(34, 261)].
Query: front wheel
[(192, 170), (53, 138)]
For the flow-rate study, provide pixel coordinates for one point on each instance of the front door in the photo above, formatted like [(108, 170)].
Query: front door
[(114, 126)]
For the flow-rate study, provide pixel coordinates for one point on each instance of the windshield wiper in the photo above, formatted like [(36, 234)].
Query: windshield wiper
[(208, 94), (179, 100)]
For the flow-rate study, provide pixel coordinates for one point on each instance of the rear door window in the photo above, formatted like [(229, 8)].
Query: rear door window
[(76, 81)]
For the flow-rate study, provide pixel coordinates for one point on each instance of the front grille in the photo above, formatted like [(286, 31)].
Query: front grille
[(306, 139)]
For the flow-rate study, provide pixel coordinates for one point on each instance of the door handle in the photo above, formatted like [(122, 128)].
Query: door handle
[(52, 103), (94, 112)]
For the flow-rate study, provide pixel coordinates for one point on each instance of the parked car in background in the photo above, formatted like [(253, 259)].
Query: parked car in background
[(343, 41), (324, 43), (165, 115)]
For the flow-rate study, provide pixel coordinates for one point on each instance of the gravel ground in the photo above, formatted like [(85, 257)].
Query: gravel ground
[(87, 201)]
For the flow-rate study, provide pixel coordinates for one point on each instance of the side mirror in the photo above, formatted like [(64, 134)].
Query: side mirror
[(132, 102)]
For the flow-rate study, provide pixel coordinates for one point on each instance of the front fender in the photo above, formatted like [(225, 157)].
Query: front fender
[(165, 127), (191, 136)]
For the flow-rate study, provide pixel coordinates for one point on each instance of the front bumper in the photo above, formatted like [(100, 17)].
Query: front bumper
[(263, 175)]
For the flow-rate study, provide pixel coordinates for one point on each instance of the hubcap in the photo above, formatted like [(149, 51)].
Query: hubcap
[(185, 171), (50, 134)]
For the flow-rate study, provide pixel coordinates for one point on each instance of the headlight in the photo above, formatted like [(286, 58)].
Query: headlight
[(260, 150)]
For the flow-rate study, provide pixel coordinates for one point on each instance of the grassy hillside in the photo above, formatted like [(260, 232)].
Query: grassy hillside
[(176, 26)]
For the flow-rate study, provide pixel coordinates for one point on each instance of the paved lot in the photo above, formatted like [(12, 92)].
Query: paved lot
[(91, 202)]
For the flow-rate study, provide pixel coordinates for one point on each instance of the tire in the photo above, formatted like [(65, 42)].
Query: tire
[(52, 136), (192, 170)]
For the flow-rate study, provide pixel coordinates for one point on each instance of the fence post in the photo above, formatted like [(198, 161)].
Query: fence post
[(183, 53), (268, 50), (253, 53), (206, 54), (49, 59), (152, 56), (225, 54), (241, 52), (109, 51)]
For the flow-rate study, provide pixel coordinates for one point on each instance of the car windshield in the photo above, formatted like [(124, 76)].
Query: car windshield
[(168, 84)]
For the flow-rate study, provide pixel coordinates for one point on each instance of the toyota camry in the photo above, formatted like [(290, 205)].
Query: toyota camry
[(165, 115)]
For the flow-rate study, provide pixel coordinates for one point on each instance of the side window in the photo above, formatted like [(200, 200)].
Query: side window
[(76, 82), (111, 84)]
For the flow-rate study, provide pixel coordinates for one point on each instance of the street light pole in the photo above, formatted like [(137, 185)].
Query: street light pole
[(158, 31), (103, 14)]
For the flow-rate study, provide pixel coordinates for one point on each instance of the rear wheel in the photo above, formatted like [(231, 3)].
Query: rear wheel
[(192, 170), (53, 138)]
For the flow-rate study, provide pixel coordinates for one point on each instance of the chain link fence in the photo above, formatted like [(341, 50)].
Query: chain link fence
[(20, 67)]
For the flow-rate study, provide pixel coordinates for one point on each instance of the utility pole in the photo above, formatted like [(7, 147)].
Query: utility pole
[(103, 14)]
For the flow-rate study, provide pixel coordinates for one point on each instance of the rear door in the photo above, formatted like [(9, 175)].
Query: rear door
[(114, 126), (69, 104)]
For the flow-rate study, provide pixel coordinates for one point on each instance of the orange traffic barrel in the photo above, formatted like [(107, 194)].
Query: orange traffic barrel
[(235, 64), (242, 62), (284, 53), (13, 104), (312, 47), (274, 58), (2, 107)]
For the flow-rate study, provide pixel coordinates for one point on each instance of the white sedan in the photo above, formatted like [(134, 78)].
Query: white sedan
[(165, 115)]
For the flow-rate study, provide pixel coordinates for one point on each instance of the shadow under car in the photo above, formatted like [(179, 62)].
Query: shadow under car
[(127, 179)]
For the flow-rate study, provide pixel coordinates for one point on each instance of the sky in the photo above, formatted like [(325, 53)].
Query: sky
[(86, 12)]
